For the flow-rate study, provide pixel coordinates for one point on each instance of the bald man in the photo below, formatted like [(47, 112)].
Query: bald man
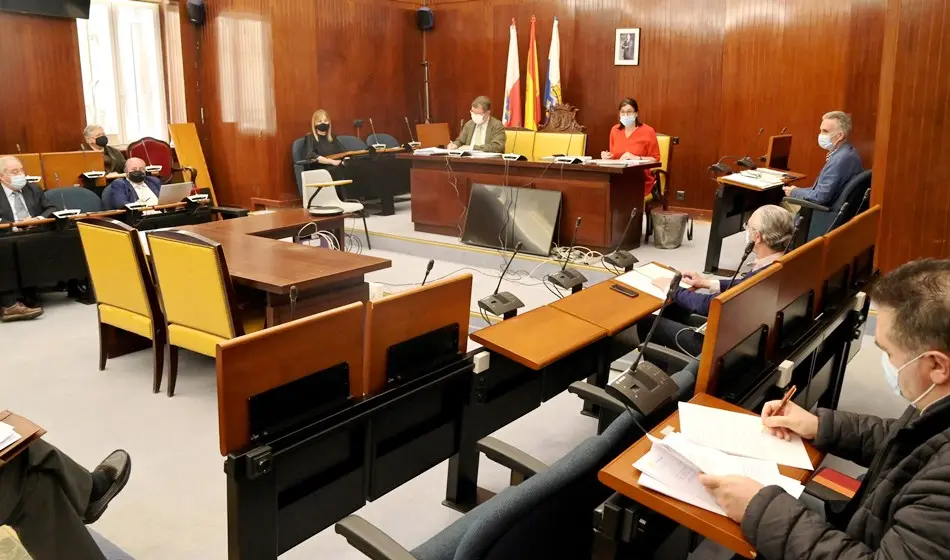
[(136, 186)]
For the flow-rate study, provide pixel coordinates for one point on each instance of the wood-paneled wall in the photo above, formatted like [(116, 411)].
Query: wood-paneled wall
[(711, 73), (41, 100), (911, 164), (263, 67)]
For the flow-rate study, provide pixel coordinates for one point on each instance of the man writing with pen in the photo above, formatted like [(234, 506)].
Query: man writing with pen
[(902, 509)]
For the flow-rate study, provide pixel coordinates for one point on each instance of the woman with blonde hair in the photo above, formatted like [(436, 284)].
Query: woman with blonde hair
[(321, 144)]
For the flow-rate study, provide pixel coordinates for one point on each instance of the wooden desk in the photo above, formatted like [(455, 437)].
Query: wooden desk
[(323, 279), (539, 337), (621, 476), (601, 196), (733, 207), (606, 308)]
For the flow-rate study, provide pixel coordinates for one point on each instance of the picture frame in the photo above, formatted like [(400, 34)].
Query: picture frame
[(627, 47)]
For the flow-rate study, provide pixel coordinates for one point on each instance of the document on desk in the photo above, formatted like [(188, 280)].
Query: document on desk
[(620, 162), (665, 473), (641, 278), (8, 436), (755, 180), (740, 434), (431, 152)]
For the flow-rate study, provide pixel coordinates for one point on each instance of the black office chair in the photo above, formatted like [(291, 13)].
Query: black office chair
[(107, 202), (75, 198), (819, 219), (298, 152), (351, 143), (381, 138), (546, 516)]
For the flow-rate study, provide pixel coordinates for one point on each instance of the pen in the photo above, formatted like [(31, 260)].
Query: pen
[(788, 395)]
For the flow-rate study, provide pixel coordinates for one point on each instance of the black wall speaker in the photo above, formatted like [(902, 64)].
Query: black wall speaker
[(425, 19), (196, 11)]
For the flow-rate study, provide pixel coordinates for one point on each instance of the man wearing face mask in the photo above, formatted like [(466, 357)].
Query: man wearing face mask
[(136, 186), (112, 159), (21, 202), (902, 509), (484, 133), (841, 163)]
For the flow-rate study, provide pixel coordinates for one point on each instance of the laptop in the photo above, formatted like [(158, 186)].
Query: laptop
[(175, 192)]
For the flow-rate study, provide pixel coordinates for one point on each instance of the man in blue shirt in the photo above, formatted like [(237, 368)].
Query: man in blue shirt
[(841, 164)]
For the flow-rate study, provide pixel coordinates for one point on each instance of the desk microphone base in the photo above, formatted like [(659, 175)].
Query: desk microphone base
[(502, 304), (568, 279), (621, 259), (645, 390)]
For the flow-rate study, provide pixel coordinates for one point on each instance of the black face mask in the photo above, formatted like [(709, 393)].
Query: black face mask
[(137, 176), (323, 127), (102, 141)]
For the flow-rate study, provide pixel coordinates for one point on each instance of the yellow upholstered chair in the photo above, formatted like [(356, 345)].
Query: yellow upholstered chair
[(124, 289), (550, 143), (195, 288), (659, 196), (519, 141)]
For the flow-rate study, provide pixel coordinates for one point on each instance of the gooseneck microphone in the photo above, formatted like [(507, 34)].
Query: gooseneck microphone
[(412, 139), (798, 223), (503, 304), (746, 161), (569, 278), (376, 145), (620, 258), (429, 266), (745, 255), (644, 386), (864, 200), (837, 220)]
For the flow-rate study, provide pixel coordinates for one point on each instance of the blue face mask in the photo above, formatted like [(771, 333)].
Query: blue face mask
[(18, 181), (628, 120), (892, 376)]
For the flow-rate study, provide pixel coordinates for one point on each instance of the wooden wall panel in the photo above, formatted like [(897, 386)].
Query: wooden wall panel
[(911, 168), (41, 97)]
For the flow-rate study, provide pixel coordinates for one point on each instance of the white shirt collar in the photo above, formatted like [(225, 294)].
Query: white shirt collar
[(766, 261)]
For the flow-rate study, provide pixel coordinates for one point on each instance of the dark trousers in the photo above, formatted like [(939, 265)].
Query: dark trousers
[(43, 496), (672, 334), (26, 295)]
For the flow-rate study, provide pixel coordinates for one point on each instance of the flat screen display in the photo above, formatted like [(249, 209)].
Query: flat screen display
[(500, 217), (58, 8)]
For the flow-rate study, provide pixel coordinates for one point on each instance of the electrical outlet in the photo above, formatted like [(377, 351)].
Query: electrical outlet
[(680, 195)]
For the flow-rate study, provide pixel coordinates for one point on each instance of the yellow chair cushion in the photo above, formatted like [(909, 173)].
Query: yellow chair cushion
[(550, 143), (192, 287), (520, 142), (194, 340), (664, 142), (125, 320), (114, 268)]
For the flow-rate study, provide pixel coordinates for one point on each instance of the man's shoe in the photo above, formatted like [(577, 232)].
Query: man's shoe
[(19, 312), (117, 466)]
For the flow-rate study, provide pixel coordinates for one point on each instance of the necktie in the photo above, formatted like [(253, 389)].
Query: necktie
[(19, 207)]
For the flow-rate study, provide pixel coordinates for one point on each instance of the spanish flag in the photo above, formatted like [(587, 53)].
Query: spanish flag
[(532, 93)]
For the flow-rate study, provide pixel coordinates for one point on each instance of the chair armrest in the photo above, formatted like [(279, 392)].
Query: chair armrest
[(330, 183), (806, 204), (510, 456), (593, 394), (677, 360), (228, 212), (370, 540)]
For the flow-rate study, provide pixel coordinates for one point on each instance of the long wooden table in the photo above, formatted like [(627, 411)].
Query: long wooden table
[(602, 196), (318, 278), (621, 476)]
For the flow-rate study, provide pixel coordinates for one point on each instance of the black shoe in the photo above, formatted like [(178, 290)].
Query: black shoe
[(117, 466)]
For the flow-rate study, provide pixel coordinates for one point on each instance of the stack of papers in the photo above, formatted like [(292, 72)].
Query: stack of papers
[(756, 179), (673, 464), (431, 152), (484, 155), (621, 162), (642, 277), (8, 436)]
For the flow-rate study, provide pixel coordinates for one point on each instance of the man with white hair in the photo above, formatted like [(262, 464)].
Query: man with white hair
[(841, 164), (24, 203)]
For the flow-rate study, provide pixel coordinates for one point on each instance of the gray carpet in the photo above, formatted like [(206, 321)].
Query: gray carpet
[(174, 505)]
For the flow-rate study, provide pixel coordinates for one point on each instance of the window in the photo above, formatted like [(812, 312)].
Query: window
[(123, 69), (173, 60)]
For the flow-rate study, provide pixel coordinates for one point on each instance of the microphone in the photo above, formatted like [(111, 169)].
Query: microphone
[(376, 145), (503, 304), (798, 223), (412, 139), (569, 278), (864, 200), (620, 258), (358, 124), (18, 149), (644, 386), (781, 132), (747, 161), (64, 212), (428, 270), (745, 254), (841, 213)]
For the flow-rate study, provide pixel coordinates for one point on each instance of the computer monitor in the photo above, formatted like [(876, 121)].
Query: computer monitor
[(500, 217)]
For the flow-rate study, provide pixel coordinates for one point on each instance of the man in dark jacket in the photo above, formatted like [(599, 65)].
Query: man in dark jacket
[(135, 187), (902, 509)]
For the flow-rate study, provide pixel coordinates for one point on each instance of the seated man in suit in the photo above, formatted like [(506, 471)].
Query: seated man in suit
[(483, 133), (841, 164), (21, 202), (49, 499), (136, 186), (769, 230)]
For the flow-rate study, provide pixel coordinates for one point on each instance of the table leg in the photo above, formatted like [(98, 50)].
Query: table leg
[(600, 378), (714, 247)]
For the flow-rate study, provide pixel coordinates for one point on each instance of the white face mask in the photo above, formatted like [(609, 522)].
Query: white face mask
[(892, 376), (17, 182), (478, 119), (628, 120), (825, 141)]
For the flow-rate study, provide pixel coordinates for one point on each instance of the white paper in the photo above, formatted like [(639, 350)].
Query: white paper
[(666, 474), (654, 271), (709, 504), (641, 278), (756, 180), (431, 152), (715, 462), (485, 155), (8, 440), (740, 434)]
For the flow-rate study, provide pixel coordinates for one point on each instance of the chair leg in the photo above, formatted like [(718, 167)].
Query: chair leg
[(103, 342), (158, 354), (172, 369), (369, 244)]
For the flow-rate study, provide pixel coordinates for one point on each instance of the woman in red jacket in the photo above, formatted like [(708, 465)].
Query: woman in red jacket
[(631, 139)]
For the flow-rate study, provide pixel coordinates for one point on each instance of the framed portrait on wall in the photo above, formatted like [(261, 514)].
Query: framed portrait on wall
[(627, 48)]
